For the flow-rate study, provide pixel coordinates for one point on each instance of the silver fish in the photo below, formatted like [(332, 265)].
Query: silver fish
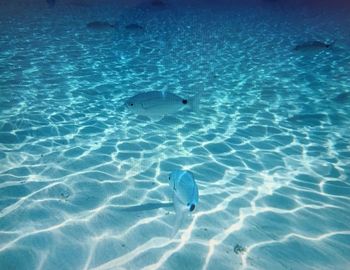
[(156, 104), (185, 195), (134, 27), (100, 25), (313, 46)]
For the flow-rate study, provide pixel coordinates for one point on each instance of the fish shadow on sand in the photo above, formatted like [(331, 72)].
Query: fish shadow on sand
[(145, 207), (312, 46), (134, 27), (342, 98), (100, 25)]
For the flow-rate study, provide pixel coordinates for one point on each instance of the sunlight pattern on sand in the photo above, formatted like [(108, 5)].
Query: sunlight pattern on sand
[(269, 148)]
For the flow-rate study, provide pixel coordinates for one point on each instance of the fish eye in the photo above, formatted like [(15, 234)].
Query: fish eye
[(131, 104)]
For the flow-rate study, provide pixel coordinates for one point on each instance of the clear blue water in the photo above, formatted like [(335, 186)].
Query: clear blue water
[(83, 181)]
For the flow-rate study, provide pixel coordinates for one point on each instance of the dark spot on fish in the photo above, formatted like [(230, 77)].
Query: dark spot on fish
[(192, 207), (184, 101)]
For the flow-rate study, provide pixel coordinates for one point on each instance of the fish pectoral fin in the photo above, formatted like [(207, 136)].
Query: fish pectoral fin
[(155, 117), (149, 105)]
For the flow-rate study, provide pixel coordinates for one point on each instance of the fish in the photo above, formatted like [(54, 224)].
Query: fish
[(134, 27), (313, 46), (185, 198), (157, 104), (51, 3), (158, 3), (185, 195), (100, 25)]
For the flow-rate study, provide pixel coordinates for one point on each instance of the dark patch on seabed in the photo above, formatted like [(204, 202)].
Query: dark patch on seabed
[(342, 97)]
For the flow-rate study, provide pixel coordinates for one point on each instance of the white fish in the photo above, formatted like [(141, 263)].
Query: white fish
[(185, 195), (156, 104)]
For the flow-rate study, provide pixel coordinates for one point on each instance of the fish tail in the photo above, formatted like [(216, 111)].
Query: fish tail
[(178, 222), (194, 102), (332, 43)]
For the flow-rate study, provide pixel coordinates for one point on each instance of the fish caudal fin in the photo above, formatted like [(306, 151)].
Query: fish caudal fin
[(331, 44), (194, 102), (180, 213)]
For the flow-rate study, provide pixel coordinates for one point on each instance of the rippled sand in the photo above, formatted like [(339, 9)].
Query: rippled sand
[(83, 182)]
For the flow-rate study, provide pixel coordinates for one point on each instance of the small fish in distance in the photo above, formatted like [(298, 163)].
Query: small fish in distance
[(100, 25), (314, 45)]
